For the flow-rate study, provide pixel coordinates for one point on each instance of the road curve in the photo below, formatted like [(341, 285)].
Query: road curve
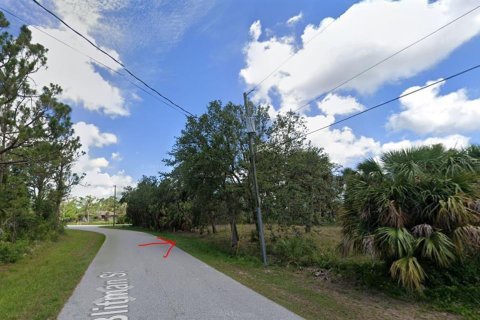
[(126, 281)]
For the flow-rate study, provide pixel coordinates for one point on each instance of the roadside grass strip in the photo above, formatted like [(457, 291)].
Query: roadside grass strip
[(37, 286)]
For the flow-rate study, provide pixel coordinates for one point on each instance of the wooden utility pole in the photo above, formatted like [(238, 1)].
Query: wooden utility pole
[(114, 203), (251, 141)]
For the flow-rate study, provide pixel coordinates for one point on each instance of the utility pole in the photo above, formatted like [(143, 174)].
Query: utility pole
[(114, 203), (251, 141)]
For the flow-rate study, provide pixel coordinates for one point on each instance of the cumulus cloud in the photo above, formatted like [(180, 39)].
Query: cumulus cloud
[(430, 112), (346, 148), (79, 77), (366, 33), (97, 182), (452, 141), (342, 145), (90, 136), (334, 104), (295, 19)]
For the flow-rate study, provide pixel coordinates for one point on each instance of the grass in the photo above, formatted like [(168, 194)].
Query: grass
[(313, 293), (37, 286)]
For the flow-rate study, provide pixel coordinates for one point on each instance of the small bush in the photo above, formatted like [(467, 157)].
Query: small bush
[(297, 250), (40, 231), (122, 219), (12, 252)]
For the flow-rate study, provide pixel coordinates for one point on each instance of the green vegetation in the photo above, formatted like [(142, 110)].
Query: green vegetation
[(38, 286), (209, 183), (37, 147), (412, 221), (312, 292), (92, 210), (417, 210)]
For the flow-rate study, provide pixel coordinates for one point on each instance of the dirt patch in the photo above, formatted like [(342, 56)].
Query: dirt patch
[(368, 304)]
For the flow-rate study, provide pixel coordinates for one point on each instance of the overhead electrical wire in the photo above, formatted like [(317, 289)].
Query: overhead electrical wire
[(341, 84), (387, 102), (94, 60), (114, 59)]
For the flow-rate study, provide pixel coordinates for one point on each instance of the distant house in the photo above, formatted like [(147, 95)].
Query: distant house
[(104, 215)]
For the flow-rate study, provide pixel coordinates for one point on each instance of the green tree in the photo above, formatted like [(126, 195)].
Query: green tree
[(210, 161), (37, 143), (296, 179)]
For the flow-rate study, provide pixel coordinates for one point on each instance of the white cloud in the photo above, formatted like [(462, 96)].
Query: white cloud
[(452, 141), (76, 73), (90, 136), (295, 19), (334, 104), (116, 156), (97, 182), (256, 30), (430, 112), (346, 148), (366, 33), (342, 145), (104, 23)]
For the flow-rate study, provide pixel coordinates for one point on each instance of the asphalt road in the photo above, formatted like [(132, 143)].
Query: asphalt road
[(126, 281)]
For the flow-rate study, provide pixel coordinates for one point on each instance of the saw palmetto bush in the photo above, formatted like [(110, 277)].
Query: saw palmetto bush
[(415, 209)]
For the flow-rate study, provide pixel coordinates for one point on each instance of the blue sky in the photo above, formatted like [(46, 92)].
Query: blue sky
[(195, 51)]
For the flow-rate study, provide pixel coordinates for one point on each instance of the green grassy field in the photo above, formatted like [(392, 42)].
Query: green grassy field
[(300, 289), (37, 286)]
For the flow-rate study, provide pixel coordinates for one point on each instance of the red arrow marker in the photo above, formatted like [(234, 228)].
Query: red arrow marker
[(164, 241)]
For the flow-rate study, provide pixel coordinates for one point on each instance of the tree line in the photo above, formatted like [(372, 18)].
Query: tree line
[(210, 182), (37, 143), (416, 210)]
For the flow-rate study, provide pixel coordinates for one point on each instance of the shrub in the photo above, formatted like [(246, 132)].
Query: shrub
[(12, 252), (296, 250), (122, 219), (417, 208)]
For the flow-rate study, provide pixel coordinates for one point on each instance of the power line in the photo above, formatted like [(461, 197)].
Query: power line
[(92, 59), (341, 84), (388, 101), (114, 59), (319, 32)]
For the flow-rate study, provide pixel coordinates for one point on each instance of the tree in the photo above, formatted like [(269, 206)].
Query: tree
[(22, 109), (417, 207), (209, 160), (37, 142), (296, 179)]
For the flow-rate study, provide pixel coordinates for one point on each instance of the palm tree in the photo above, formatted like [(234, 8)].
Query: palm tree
[(414, 207)]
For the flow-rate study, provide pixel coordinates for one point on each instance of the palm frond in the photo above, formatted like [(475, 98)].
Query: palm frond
[(467, 237), (370, 167), (454, 211), (408, 272), (422, 230), (393, 216), (394, 242), (438, 248), (368, 245)]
